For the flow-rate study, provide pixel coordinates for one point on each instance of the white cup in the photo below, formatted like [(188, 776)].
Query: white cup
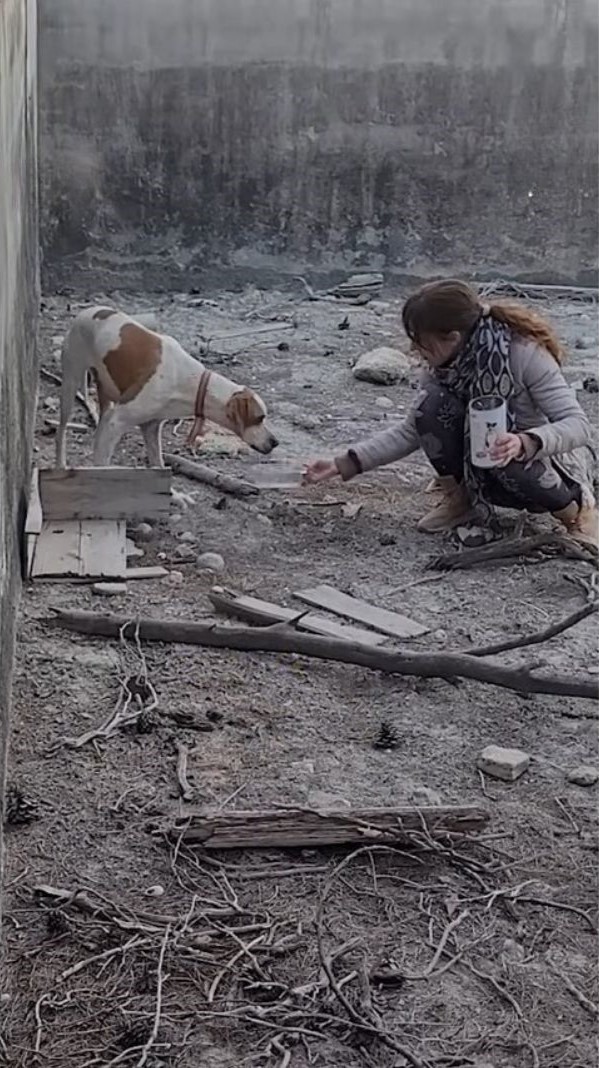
[(488, 419)]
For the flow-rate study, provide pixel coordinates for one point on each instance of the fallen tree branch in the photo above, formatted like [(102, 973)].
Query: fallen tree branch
[(539, 637), (511, 547), (285, 640), (225, 483), (307, 828)]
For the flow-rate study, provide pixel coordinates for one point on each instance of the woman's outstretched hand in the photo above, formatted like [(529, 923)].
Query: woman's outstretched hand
[(320, 471)]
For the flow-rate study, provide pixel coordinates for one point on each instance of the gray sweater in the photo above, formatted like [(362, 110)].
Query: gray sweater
[(544, 406)]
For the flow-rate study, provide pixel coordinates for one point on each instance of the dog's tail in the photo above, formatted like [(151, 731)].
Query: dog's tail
[(74, 377)]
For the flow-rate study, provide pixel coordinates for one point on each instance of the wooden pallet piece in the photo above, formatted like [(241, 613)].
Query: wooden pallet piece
[(264, 613), (102, 551), (91, 549), (57, 549), (105, 493), (340, 604), (288, 828), (34, 520), (147, 572)]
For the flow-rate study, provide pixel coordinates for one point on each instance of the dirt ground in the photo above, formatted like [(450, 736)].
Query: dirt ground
[(483, 955)]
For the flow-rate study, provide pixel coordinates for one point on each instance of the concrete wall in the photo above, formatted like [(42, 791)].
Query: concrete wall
[(19, 302), (418, 135)]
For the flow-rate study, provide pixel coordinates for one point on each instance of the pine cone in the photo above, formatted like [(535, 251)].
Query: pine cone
[(386, 738), (18, 809)]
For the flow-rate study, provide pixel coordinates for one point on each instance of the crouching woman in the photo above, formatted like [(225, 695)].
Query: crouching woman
[(472, 351)]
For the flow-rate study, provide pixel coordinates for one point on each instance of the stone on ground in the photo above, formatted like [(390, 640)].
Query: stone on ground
[(584, 775), (383, 366), (109, 589), (211, 562), (506, 764)]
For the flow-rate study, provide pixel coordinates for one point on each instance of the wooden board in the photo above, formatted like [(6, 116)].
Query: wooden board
[(340, 604), (254, 610), (57, 550), (102, 548), (34, 520), (105, 493), (300, 828), (93, 548), (148, 572)]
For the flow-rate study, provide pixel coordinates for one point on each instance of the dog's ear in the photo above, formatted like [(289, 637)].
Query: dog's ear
[(243, 410)]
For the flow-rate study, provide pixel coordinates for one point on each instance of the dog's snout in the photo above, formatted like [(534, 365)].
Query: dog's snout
[(273, 442)]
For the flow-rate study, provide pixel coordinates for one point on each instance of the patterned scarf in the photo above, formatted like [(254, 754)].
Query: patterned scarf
[(481, 369)]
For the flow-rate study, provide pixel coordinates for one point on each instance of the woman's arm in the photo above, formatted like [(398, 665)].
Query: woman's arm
[(382, 448), (568, 427)]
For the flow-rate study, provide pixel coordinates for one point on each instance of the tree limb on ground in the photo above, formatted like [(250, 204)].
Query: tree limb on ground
[(507, 548), (291, 828), (540, 636), (201, 473), (285, 640)]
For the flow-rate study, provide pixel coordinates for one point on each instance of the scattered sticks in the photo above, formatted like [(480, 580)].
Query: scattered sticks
[(584, 1002), (285, 640), (185, 788), (160, 979)]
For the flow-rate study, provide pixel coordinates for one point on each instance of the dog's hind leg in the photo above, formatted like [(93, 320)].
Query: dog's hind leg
[(152, 434), (72, 375)]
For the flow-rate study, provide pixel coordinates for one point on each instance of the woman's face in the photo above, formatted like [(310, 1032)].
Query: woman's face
[(438, 349)]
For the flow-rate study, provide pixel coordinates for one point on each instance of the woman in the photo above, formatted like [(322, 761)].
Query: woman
[(473, 350)]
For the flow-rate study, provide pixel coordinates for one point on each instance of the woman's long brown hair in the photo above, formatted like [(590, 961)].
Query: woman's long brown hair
[(442, 307)]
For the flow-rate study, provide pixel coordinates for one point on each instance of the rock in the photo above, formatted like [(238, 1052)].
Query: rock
[(506, 764), (440, 636), (174, 578), (188, 537), (585, 343), (384, 403), (211, 562), (143, 532), (264, 520), (306, 421), (591, 384), (184, 554), (383, 366), (155, 891), (109, 589), (584, 775), (52, 404), (423, 796)]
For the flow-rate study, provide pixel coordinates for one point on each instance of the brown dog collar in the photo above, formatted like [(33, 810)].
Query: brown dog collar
[(198, 423)]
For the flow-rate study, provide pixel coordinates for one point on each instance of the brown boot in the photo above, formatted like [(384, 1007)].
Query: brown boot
[(581, 522), (453, 508), (434, 486)]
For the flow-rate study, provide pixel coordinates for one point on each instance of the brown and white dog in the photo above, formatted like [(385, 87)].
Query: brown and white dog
[(144, 378)]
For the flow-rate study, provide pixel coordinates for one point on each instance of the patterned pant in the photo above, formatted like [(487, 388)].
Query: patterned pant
[(536, 487)]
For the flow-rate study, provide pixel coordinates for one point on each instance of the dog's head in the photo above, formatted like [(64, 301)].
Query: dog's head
[(246, 417)]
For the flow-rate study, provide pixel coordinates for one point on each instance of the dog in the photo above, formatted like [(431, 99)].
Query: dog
[(144, 378)]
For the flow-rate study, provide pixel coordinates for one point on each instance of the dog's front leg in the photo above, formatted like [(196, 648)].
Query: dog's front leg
[(110, 430), (152, 434)]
